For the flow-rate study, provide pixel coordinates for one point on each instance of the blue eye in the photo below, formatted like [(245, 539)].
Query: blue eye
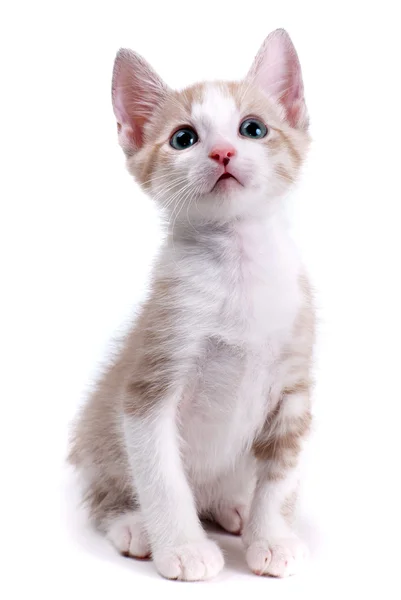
[(253, 128), (184, 138)]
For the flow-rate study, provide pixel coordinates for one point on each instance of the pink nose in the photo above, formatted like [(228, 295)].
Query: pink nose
[(222, 154)]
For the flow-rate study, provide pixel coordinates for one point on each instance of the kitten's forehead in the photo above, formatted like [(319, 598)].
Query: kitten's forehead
[(215, 104), (215, 109)]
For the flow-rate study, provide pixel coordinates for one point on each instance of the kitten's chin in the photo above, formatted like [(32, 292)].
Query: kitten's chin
[(230, 202)]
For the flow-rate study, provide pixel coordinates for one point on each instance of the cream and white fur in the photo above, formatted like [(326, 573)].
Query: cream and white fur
[(205, 408)]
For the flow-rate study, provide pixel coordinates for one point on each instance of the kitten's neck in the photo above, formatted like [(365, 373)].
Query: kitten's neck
[(187, 231), (206, 236)]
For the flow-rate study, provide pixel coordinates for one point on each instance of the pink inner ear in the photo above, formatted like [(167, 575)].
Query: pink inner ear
[(137, 90), (277, 71)]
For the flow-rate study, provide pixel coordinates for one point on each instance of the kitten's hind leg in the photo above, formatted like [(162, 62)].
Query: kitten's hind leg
[(128, 535), (230, 507), (114, 511)]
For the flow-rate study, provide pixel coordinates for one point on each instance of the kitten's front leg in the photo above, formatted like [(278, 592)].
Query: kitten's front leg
[(272, 546), (179, 546)]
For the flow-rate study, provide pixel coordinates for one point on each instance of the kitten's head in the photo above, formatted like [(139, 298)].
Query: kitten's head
[(214, 151)]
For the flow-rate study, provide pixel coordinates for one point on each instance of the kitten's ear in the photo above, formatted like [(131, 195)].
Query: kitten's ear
[(276, 70), (136, 91)]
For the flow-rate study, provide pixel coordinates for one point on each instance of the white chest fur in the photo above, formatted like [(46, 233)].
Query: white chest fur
[(249, 297), (260, 283)]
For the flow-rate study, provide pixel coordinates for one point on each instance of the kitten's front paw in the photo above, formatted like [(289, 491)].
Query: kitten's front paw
[(194, 561), (278, 558)]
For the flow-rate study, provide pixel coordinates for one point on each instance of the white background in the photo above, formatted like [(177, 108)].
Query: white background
[(77, 237)]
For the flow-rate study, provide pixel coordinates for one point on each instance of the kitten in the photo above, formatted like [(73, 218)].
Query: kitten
[(204, 411)]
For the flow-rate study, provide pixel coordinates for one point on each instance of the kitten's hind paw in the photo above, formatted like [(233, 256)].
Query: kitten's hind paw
[(128, 535), (231, 518)]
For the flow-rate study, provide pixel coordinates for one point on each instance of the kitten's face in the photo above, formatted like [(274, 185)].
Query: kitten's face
[(214, 151)]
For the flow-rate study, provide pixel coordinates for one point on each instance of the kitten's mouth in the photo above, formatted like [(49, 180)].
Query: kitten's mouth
[(223, 178)]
